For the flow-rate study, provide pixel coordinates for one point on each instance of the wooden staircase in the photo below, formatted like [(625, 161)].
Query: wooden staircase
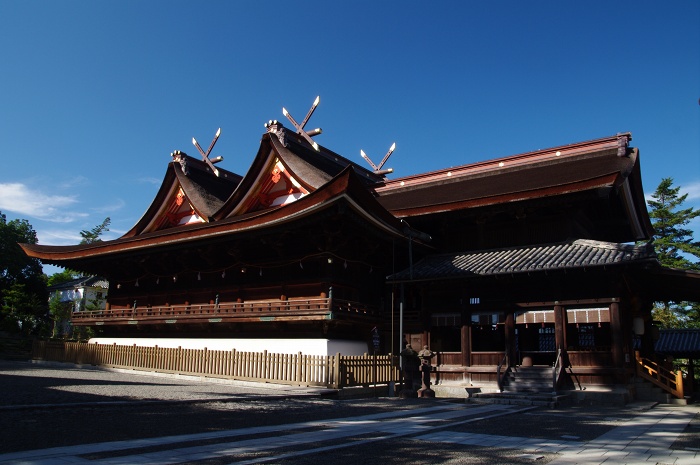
[(656, 383)]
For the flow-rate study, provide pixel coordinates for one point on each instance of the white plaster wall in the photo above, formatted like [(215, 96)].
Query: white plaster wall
[(273, 346)]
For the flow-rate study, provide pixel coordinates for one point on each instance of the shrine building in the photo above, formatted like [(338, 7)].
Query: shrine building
[(517, 260)]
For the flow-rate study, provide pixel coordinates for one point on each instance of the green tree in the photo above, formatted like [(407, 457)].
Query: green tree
[(672, 239), (94, 234), (61, 310), (23, 293), (674, 245), (60, 314), (63, 276)]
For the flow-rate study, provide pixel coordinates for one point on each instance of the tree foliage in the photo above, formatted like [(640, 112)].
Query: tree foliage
[(673, 240), (93, 235), (63, 276), (674, 245), (23, 294)]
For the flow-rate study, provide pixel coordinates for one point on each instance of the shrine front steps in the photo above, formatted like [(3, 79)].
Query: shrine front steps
[(537, 399)]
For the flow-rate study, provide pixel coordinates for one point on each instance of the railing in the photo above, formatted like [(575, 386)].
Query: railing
[(226, 311), (499, 378), (332, 371), (557, 370), (669, 381)]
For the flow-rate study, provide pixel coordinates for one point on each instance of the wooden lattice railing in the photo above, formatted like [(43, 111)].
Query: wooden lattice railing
[(669, 381), (332, 371), (226, 311)]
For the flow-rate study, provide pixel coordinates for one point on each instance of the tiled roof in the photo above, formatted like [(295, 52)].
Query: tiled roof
[(679, 342), (83, 281), (579, 253)]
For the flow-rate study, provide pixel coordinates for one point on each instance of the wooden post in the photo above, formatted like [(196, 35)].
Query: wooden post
[(299, 370), (510, 338), (560, 327), (679, 383), (691, 376), (616, 336), (466, 333)]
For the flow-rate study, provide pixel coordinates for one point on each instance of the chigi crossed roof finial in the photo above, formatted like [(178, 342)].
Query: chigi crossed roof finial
[(378, 168), (205, 156), (300, 127)]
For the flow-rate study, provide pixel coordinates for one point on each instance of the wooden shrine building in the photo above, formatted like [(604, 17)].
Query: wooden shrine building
[(513, 261)]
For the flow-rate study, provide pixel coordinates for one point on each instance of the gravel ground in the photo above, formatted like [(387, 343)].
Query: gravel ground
[(59, 405)]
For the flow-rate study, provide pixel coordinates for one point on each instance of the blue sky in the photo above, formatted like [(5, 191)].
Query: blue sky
[(95, 95)]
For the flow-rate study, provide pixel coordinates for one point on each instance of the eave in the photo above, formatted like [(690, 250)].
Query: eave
[(346, 187)]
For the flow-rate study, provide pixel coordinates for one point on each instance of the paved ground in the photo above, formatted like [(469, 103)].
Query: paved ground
[(62, 414)]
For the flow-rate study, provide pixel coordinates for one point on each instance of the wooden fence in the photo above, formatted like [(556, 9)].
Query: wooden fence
[(332, 371)]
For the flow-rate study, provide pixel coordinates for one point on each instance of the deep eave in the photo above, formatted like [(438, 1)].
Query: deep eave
[(345, 187), (603, 164)]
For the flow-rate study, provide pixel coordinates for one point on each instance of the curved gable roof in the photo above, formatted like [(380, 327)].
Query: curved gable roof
[(346, 188), (309, 168), (205, 192)]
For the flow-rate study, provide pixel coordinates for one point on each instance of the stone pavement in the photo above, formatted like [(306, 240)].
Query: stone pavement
[(646, 438)]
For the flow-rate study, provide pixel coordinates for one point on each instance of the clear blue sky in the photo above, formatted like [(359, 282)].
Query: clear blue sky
[(94, 95)]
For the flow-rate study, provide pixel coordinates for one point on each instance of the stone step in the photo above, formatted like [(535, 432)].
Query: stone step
[(528, 379), (518, 398), (647, 391)]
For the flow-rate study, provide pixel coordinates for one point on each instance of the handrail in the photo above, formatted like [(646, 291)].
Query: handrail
[(229, 309), (556, 370), (499, 379), (669, 381)]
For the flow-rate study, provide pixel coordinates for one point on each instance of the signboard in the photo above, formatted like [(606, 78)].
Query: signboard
[(375, 338)]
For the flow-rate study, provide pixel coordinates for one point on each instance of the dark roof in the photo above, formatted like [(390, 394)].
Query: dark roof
[(206, 192), (602, 165), (346, 188), (313, 169), (683, 343), (566, 255), (83, 281), (664, 283)]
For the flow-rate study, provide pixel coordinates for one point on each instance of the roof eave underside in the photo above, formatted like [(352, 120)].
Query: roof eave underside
[(561, 170), (345, 187)]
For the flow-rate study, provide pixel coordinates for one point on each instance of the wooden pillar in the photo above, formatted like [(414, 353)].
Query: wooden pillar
[(691, 377), (466, 344), (560, 327), (510, 338), (616, 336)]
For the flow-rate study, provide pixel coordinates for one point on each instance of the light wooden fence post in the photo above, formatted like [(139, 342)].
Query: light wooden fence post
[(336, 371), (299, 371)]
